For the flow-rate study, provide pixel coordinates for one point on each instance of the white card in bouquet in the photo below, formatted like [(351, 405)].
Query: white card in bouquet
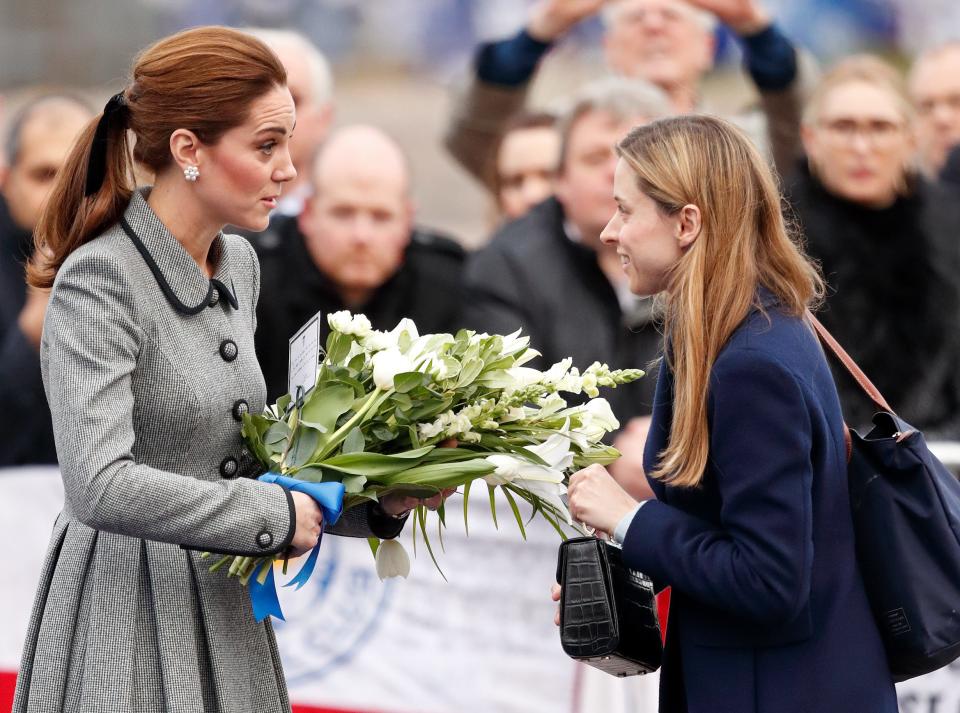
[(303, 361)]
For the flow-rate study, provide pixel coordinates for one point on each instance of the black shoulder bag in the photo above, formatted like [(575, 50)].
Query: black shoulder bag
[(906, 517), (608, 615)]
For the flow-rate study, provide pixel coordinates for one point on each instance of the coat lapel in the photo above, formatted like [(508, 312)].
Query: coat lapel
[(183, 283)]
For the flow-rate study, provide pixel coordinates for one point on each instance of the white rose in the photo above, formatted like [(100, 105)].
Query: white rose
[(360, 326), (392, 560), (386, 365), (340, 321), (378, 341)]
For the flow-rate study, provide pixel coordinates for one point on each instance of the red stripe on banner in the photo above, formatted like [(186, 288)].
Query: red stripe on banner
[(8, 682)]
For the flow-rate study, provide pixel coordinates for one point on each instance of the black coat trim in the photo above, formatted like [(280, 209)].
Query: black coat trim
[(165, 286)]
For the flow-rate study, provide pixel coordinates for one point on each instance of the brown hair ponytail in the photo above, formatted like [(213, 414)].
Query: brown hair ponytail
[(203, 79)]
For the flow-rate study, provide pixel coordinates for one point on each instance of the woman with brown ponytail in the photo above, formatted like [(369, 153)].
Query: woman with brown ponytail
[(751, 525), (148, 364)]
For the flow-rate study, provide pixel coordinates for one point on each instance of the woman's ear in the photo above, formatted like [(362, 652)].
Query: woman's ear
[(184, 147), (689, 224)]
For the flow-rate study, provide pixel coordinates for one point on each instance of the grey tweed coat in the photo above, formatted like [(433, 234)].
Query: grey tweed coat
[(148, 365)]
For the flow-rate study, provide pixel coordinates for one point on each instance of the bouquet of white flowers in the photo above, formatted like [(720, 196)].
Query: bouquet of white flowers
[(385, 403)]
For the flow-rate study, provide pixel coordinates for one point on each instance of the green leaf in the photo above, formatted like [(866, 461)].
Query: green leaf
[(383, 432), (406, 382), (493, 505), (466, 502), (374, 543), (353, 484), (516, 511), (440, 475), (312, 474), (304, 443), (338, 346), (277, 433), (323, 406), (422, 518), (496, 379), (414, 439), (283, 403), (376, 464), (358, 362), (469, 372), (440, 525), (354, 442)]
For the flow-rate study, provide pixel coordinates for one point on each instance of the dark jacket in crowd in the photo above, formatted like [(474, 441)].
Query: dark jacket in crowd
[(533, 276), (26, 431), (427, 288), (892, 299), (950, 173)]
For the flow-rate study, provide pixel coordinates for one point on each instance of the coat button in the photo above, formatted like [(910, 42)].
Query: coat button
[(214, 297), (264, 539), (229, 467), (240, 407), (228, 349)]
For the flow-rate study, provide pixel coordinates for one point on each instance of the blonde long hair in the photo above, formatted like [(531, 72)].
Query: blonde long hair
[(744, 243)]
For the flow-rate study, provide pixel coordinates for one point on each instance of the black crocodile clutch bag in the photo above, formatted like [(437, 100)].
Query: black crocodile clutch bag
[(608, 615)]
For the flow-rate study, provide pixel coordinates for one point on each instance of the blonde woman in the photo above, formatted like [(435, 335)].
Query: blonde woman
[(751, 526)]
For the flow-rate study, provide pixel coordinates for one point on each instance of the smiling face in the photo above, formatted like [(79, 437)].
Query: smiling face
[(242, 174), (649, 242)]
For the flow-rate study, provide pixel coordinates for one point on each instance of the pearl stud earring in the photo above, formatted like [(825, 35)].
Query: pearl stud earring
[(191, 173)]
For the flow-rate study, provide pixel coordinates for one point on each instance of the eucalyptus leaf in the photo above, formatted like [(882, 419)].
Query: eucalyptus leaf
[(408, 381), (277, 433), (312, 474), (304, 444), (354, 442), (353, 484), (466, 502), (325, 405)]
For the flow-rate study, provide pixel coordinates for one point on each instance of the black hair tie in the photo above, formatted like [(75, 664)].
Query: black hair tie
[(114, 111)]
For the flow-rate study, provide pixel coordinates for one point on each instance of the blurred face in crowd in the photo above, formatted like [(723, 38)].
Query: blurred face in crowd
[(45, 140), (242, 175), (313, 113), (667, 42), (648, 241), (859, 143), (935, 90), (526, 167), (585, 182), (357, 225)]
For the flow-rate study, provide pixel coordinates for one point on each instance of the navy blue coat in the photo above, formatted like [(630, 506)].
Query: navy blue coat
[(768, 612)]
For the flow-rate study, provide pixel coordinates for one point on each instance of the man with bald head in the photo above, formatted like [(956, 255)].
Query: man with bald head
[(935, 90), (353, 247), (37, 141)]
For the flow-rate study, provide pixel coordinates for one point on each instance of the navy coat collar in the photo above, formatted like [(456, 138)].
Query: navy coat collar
[(183, 283)]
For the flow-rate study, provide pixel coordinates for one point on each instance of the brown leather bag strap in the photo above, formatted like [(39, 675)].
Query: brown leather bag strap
[(849, 364)]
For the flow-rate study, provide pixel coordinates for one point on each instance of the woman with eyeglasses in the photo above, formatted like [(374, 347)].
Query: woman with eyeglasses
[(887, 241)]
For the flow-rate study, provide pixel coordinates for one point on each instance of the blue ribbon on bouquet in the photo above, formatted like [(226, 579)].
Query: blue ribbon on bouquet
[(329, 496)]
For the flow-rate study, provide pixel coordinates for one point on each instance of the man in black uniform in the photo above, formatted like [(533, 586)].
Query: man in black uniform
[(37, 141), (353, 247)]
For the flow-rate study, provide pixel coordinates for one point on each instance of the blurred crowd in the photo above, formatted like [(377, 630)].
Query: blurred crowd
[(868, 158)]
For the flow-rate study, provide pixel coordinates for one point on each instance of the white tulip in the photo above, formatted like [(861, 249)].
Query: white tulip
[(386, 365), (392, 560)]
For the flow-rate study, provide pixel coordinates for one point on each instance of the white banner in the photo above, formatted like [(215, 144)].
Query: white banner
[(484, 641)]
